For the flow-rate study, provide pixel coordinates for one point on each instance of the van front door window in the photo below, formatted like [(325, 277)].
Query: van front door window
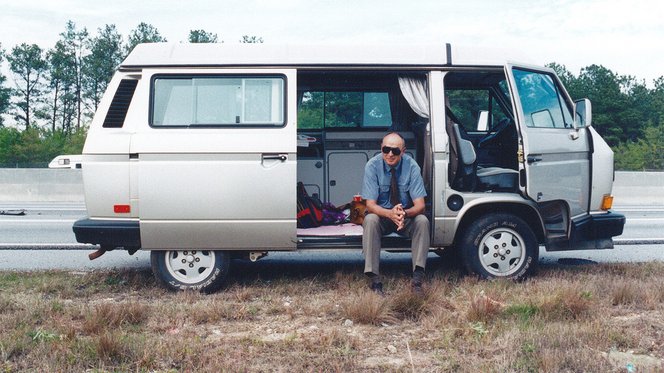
[(543, 104)]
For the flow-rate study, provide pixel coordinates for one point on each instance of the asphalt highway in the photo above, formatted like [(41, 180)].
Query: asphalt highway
[(38, 236)]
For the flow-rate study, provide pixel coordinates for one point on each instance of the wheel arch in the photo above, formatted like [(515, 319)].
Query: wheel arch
[(527, 213)]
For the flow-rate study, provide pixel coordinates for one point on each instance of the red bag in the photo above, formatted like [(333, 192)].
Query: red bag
[(309, 209)]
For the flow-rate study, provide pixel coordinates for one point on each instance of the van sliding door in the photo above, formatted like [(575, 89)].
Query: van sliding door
[(215, 164)]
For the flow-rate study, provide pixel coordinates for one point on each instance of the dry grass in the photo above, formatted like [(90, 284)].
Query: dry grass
[(562, 320), (368, 308)]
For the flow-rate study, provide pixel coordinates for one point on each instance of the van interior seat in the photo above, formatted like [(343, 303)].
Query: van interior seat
[(470, 177)]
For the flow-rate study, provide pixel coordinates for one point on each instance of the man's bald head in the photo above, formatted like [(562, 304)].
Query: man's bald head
[(393, 141)]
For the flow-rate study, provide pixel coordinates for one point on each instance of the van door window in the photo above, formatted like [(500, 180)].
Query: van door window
[(467, 104), (542, 102), (480, 103), (207, 101)]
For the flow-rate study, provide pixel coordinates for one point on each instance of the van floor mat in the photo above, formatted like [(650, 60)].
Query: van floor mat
[(343, 230)]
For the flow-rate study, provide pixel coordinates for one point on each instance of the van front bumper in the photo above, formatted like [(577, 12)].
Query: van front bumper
[(108, 233), (591, 232), (606, 225)]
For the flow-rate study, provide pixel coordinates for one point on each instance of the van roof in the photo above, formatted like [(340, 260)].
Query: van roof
[(219, 54)]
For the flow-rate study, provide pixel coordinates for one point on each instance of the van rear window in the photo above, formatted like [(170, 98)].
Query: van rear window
[(209, 101)]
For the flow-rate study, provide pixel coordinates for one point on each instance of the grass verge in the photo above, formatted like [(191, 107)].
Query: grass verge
[(572, 319)]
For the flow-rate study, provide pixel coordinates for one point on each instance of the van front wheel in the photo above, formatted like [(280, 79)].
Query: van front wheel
[(202, 270), (500, 246)]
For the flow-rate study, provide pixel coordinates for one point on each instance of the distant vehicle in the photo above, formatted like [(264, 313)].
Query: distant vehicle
[(195, 152), (66, 161)]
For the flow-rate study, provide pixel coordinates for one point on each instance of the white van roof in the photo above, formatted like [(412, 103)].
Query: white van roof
[(219, 54)]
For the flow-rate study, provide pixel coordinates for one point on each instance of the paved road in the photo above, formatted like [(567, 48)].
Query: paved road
[(25, 237)]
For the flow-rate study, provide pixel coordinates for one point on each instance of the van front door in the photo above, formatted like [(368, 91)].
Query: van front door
[(214, 167), (555, 155)]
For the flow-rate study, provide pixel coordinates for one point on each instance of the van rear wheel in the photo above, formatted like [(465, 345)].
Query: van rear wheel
[(201, 270), (500, 246)]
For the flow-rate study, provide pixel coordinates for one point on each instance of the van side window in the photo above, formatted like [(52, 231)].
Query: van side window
[(210, 101), (543, 104), (319, 110)]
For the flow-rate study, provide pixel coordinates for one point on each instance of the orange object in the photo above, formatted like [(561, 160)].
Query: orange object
[(607, 202)]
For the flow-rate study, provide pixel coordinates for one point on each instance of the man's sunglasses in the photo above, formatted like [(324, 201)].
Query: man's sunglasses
[(387, 150)]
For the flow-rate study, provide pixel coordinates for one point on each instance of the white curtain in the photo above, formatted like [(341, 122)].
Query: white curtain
[(416, 93)]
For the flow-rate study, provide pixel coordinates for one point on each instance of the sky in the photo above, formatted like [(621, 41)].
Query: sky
[(624, 36)]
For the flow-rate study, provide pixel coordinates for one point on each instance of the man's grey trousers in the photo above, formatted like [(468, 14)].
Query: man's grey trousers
[(416, 229)]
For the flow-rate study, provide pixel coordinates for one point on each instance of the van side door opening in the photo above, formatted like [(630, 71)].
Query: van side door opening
[(482, 130), (342, 118)]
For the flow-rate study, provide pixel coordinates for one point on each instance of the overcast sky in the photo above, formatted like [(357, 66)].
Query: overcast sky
[(624, 36)]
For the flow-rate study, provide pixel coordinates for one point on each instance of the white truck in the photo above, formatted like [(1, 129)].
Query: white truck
[(196, 149)]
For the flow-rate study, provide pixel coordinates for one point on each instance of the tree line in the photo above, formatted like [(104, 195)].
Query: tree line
[(626, 112), (56, 92)]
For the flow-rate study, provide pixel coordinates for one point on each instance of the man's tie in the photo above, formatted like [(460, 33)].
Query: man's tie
[(394, 188)]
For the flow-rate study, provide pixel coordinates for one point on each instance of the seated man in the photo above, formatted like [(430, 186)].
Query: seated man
[(394, 191)]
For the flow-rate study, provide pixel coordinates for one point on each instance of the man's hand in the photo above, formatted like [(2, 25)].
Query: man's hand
[(397, 216)]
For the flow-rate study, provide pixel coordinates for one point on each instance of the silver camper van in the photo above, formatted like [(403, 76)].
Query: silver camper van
[(196, 150)]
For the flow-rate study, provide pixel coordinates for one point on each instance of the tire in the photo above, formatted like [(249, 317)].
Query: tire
[(500, 246), (201, 270)]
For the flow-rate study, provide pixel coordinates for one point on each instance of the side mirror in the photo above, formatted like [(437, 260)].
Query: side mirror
[(582, 113), (483, 121)]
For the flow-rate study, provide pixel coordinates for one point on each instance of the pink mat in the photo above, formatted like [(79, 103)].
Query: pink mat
[(332, 230)]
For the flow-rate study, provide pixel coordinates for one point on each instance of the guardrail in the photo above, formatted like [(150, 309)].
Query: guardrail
[(66, 185), (41, 185), (638, 188)]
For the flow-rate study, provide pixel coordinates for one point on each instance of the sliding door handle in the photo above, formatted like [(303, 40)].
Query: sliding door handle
[(275, 157)]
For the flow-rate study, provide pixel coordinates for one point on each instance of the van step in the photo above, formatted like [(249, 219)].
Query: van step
[(349, 242)]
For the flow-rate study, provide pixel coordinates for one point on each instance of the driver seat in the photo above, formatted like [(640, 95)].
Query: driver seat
[(469, 177)]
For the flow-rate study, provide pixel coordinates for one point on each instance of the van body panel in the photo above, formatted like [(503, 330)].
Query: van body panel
[(448, 225), (603, 171), (228, 182), (242, 55), (439, 138), (550, 152), (106, 177), (215, 234)]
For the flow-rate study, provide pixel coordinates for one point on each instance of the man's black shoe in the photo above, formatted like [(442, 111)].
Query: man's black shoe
[(377, 287), (416, 282), (416, 288)]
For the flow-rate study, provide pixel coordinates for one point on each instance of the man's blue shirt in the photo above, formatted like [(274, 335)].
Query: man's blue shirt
[(377, 179)]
